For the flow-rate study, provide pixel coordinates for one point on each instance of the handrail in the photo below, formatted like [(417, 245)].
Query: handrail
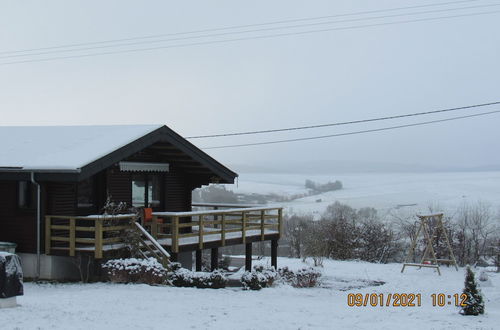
[(152, 240), (212, 212), (224, 205)]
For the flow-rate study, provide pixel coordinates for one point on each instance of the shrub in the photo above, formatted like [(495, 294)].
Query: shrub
[(185, 278), (474, 304), (258, 278), (303, 278), (133, 270)]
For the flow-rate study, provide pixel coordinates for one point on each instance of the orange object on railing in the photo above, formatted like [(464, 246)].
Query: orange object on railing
[(148, 215)]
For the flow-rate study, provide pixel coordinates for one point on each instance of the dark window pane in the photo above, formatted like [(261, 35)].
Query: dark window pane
[(154, 190), (138, 191)]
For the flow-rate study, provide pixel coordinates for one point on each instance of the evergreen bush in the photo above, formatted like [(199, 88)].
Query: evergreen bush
[(474, 304)]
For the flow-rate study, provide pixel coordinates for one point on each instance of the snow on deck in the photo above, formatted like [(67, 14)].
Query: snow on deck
[(63, 147)]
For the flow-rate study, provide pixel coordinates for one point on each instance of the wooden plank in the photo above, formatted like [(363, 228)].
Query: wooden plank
[(47, 234), (59, 239), (72, 225), (98, 239), (243, 226), (112, 240), (421, 265), (262, 222), (77, 228), (280, 222), (175, 234), (60, 227), (154, 226)]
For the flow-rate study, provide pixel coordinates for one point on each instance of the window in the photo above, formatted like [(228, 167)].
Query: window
[(25, 195), (146, 190), (86, 193)]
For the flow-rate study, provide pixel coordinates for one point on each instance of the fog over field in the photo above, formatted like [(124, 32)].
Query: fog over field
[(411, 192)]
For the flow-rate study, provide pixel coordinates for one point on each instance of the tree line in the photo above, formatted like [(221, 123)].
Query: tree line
[(345, 233)]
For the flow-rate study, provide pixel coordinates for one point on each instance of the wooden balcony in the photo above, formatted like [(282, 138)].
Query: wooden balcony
[(198, 230), (174, 231)]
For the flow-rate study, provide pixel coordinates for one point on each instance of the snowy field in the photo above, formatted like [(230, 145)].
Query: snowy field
[(384, 191), (118, 306)]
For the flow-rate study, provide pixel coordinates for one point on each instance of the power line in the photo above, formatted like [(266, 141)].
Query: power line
[(350, 133), (343, 123), (286, 27), (237, 26), (250, 38)]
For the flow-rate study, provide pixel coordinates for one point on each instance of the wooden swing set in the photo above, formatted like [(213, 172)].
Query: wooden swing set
[(429, 259)]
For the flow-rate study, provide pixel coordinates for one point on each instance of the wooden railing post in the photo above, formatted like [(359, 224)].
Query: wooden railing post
[(223, 230), (72, 236), (243, 226), (262, 216), (200, 232), (154, 226), (216, 217), (175, 234), (48, 234), (98, 238)]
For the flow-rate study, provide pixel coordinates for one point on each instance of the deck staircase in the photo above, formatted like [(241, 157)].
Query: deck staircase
[(149, 247)]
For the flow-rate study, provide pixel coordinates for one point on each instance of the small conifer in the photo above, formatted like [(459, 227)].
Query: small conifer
[(474, 304)]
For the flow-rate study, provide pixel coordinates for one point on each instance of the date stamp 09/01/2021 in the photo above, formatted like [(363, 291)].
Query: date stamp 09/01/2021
[(405, 299)]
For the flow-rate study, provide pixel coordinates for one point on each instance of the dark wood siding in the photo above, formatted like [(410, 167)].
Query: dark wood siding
[(177, 191), (61, 199), (119, 186), (16, 225)]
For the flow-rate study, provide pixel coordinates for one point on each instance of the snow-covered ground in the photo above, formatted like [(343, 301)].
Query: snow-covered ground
[(118, 306), (383, 191)]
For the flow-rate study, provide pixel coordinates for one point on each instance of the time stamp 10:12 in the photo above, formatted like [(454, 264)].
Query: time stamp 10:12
[(404, 299)]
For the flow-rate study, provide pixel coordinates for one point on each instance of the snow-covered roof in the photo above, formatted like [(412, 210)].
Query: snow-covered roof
[(63, 147)]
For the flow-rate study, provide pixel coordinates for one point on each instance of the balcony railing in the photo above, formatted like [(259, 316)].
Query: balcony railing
[(101, 233), (200, 227), (95, 233)]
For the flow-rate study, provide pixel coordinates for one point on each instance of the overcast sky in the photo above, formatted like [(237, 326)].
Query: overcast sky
[(305, 79)]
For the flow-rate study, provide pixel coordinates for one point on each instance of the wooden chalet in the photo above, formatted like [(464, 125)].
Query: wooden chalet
[(55, 182)]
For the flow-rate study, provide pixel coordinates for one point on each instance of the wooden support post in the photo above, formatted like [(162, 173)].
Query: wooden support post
[(248, 257), (243, 226), (98, 239), (223, 230), (47, 234), (72, 236), (262, 230), (280, 221), (214, 259), (274, 253), (199, 254), (154, 226), (175, 234), (216, 217), (174, 257), (200, 232)]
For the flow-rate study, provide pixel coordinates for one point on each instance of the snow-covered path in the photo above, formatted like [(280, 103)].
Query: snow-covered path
[(116, 306)]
